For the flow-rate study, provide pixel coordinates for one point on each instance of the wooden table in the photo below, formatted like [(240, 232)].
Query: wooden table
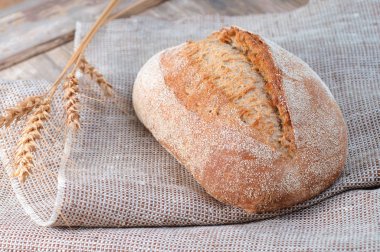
[(38, 25)]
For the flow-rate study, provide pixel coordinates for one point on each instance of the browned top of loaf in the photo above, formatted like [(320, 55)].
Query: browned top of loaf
[(236, 71)]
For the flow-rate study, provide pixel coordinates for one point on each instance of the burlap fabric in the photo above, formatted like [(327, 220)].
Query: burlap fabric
[(114, 174)]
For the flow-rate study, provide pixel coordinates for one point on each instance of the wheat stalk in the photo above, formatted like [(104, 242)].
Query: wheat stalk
[(28, 141), (75, 58), (39, 108), (95, 75), (21, 109), (71, 90)]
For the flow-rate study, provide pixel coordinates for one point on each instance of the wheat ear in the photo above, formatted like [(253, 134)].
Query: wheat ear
[(95, 75), (39, 106), (28, 141), (71, 90), (21, 109)]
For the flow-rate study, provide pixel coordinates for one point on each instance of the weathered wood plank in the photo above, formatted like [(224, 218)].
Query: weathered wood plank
[(44, 66), (49, 64), (43, 25), (175, 9)]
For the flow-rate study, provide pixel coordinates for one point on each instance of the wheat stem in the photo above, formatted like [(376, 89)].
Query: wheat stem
[(84, 43)]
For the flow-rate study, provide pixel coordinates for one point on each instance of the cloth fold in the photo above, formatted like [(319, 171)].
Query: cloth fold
[(114, 174)]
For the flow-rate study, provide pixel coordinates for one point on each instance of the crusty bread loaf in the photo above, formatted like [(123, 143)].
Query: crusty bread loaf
[(255, 126)]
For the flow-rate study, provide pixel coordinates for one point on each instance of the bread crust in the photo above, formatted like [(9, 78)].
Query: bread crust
[(229, 159)]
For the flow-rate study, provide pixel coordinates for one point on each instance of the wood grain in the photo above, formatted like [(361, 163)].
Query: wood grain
[(49, 64), (43, 25)]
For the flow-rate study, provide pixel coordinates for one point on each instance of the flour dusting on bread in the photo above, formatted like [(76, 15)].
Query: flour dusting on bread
[(255, 126)]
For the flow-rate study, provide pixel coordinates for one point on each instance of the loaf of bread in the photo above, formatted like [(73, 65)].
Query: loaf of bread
[(255, 126)]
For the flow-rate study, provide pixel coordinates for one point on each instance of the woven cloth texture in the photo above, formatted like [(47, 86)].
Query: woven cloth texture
[(114, 173)]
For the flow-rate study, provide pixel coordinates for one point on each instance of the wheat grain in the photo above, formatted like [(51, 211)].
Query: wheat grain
[(21, 109), (28, 141), (95, 75), (71, 90)]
